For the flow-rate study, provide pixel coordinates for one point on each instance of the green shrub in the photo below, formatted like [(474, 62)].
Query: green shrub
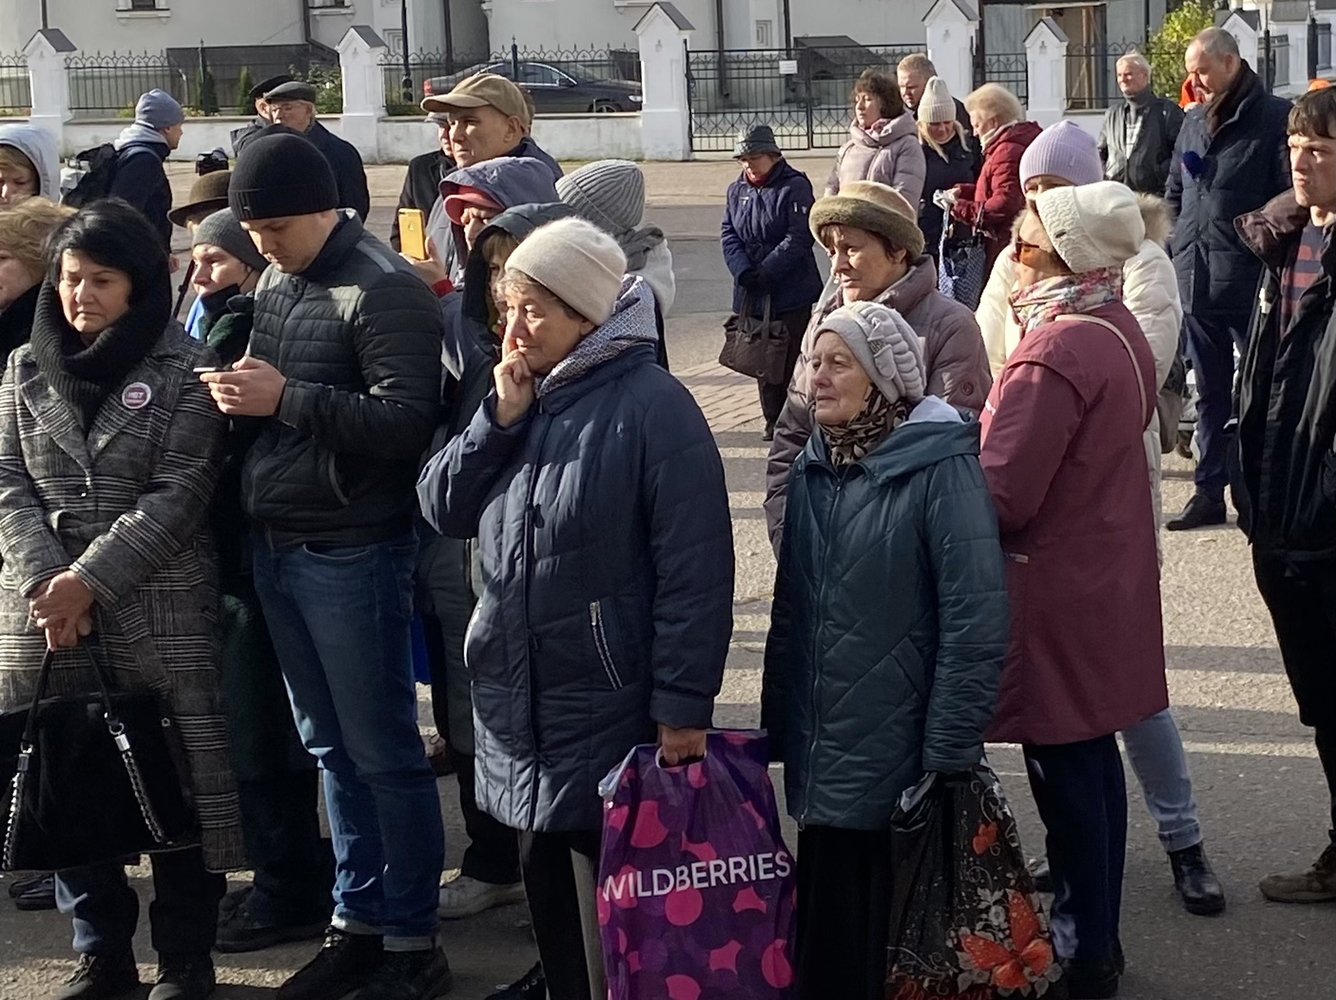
[(1169, 45), (328, 83), (245, 106), (207, 90)]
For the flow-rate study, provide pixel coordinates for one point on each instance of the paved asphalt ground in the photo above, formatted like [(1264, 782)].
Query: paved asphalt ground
[(1258, 783)]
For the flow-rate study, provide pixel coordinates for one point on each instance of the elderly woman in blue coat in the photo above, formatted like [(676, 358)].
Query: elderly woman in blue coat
[(890, 631), (593, 484)]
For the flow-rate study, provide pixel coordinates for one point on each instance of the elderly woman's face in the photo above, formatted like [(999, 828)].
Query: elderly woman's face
[(982, 122), (543, 330), (867, 109), (92, 295), (839, 382), (861, 263), (16, 277), (1035, 259)]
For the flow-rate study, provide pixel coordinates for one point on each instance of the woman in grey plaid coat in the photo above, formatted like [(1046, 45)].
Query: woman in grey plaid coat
[(110, 448)]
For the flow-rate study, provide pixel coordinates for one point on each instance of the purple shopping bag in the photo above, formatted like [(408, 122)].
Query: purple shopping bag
[(696, 888)]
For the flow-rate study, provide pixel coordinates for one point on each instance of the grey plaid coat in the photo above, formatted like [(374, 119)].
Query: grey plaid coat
[(124, 506)]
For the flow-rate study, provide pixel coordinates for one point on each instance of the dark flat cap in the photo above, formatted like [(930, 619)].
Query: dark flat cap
[(293, 90), (756, 140), (264, 86)]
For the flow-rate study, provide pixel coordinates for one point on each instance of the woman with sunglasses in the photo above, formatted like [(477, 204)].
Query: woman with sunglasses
[(1063, 457)]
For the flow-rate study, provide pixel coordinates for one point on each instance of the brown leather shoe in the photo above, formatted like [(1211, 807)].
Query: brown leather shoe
[(1316, 885)]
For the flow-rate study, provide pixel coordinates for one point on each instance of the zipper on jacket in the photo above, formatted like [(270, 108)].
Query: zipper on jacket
[(601, 642), (532, 642), (332, 474), (816, 645)]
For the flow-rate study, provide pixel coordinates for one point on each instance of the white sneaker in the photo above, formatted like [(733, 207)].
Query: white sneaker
[(463, 896)]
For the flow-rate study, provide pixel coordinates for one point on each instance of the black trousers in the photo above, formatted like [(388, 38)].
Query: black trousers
[(561, 879), (844, 913), (774, 395), (1082, 799), (1301, 597)]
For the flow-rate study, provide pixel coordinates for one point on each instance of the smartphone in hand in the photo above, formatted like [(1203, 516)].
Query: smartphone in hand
[(413, 233)]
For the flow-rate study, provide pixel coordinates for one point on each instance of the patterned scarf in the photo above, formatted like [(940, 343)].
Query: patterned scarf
[(850, 442), (1050, 298)]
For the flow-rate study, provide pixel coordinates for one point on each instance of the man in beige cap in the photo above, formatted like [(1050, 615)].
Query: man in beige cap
[(488, 116)]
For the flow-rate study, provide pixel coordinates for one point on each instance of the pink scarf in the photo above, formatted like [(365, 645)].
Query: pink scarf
[(1046, 300)]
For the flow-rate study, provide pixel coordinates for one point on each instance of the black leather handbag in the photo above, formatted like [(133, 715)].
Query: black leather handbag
[(91, 777), (755, 347)]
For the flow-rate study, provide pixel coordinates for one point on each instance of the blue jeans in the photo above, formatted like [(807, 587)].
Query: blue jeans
[(340, 619), (1155, 751), (183, 916)]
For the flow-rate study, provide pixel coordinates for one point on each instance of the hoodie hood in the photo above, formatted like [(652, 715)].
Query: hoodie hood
[(39, 146), (934, 432), (658, 274), (507, 180), (139, 134), (519, 222), (896, 128)]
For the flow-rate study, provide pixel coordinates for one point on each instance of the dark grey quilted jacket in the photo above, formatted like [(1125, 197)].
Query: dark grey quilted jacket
[(358, 335)]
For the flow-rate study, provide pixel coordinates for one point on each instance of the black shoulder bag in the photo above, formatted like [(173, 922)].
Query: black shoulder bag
[(755, 347), (91, 777)]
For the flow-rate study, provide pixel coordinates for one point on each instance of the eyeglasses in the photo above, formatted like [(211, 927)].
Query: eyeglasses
[(1021, 246)]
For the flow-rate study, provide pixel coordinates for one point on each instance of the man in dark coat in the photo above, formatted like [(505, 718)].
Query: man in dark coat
[(292, 104), (263, 116), (1230, 159), (1136, 141), (343, 378), (141, 150), (1286, 487), (422, 183)]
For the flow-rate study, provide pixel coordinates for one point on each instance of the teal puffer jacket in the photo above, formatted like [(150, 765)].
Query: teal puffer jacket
[(890, 620)]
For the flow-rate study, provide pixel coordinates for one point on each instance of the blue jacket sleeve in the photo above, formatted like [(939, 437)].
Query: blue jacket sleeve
[(798, 239), (691, 546), (735, 252), (454, 484), (973, 622)]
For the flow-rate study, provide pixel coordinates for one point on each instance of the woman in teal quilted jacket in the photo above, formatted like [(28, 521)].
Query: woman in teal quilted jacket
[(890, 630)]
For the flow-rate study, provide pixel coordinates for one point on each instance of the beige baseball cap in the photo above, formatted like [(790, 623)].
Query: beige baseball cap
[(482, 90)]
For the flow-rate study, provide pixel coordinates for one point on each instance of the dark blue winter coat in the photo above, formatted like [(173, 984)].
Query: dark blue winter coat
[(1212, 181), (607, 564), (890, 620), (766, 228)]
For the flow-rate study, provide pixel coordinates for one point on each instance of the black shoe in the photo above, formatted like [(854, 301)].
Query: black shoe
[(101, 977), (1090, 980), (1196, 882), (344, 963), (1042, 875), (240, 930), (410, 975), (769, 433), (1200, 512), (34, 894), (531, 986), (182, 978)]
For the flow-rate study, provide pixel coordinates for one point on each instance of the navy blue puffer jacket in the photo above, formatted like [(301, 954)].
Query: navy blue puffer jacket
[(766, 229), (607, 563), (890, 620)]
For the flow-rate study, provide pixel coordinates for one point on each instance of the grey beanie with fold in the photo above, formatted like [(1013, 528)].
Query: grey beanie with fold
[(159, 110), (609, 193), (222, 230), (886, 346)]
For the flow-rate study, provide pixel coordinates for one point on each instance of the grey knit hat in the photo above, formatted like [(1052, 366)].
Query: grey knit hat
[(884, 344), (221, 229), (609, 193), (159, 110)]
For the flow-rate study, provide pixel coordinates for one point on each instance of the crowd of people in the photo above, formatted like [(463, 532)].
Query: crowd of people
[(251, 514)]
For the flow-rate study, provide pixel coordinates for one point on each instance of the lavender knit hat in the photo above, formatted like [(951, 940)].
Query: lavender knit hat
[(1063, 150)]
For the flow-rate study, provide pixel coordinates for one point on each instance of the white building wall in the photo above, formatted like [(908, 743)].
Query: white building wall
[(870, 22), (587, 24)]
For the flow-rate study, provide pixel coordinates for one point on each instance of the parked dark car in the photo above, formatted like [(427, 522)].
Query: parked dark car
[(564, 90)]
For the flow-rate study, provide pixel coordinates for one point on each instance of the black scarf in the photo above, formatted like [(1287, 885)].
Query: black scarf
[(16, 323), (81, 375), (1224, 107)]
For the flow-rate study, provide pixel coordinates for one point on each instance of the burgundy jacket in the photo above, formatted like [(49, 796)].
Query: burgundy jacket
[(1065, 464), (992, 203)]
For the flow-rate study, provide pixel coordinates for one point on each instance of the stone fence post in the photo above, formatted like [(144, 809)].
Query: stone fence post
[(665, 115), (46, 52), (952, 30), (1046, 55), (360, 54)]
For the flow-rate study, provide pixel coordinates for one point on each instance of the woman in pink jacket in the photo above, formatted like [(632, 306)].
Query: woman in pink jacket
[(1063, 456), (883, 141)]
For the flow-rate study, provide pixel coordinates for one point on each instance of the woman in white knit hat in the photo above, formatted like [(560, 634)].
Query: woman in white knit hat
[(597, 495), (951, 156), (1063, 455), (873, 674)]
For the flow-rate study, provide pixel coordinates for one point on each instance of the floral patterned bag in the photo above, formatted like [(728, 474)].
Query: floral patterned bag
[(966, 921)]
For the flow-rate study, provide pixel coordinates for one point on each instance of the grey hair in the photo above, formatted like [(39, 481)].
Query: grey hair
[(1135, 58), (919, 64), (996, 100), (1218, 42)]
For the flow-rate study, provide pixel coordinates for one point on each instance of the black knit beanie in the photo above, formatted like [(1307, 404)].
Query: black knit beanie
[(279, 173)]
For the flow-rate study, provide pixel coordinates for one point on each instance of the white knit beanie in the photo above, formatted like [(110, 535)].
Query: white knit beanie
[(609, 193), (1093, 226), (937, 105), (575, 261), (884, 344)]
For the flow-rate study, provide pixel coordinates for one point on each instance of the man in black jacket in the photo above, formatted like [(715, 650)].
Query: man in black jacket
[(912, 74), (422, 183), (1287, 444), (292, 105), (263, 119), (1137, 139), (343, 372), (141, 149), (1230, 159)]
